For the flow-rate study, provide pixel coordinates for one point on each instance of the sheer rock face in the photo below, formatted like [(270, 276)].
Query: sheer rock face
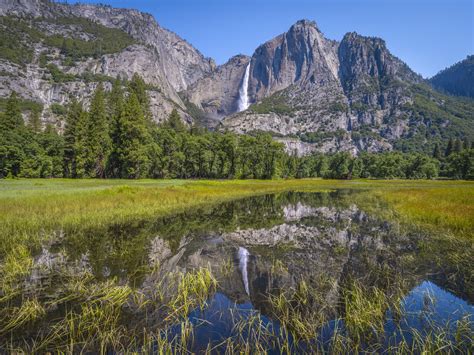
[(217, 93), (301, 82), (327, 86), (33, 82), (301, 57), (162, 58), (183, 63)]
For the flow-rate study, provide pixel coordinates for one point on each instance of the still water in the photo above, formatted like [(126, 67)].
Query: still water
[(258, 249)]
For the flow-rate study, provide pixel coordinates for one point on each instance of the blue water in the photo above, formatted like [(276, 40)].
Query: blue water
[(426, 308)]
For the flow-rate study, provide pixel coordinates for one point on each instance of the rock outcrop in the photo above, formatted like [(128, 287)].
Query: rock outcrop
[(217, 93), (311, 93), (163, 59), (352, 95)]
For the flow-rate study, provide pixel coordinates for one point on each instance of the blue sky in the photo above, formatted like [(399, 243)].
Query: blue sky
[(429, 35)]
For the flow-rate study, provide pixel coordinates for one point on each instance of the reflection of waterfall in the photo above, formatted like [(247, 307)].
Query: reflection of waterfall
[(243, 91), (243, 261)]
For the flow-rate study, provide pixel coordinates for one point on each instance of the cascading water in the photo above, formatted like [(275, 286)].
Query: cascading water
[(243, 261), (243, 91)]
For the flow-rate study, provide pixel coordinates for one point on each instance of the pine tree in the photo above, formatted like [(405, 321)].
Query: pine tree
[(81, 136), (53, 145), (175, 123), (12, 118), (437, 152), (135, 140), (115, 109), (138, 86), (70, 132), (466, 143), (98, 145), (115, 100), (34, 122), (449, 148), (457, 147)]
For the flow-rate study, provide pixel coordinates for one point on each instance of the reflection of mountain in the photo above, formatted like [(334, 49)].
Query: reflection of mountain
[(320, 238), (311, 243)]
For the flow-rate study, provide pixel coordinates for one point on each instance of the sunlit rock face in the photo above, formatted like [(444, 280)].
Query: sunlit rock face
[(168, 63), (316, 84), (217, 94), (313, 94)]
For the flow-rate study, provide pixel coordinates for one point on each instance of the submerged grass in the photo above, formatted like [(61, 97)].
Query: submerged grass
[(35, 211), (447, 209), (31, 210)]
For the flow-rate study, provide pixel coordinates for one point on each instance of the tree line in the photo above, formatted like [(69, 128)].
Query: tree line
[(116, 138)]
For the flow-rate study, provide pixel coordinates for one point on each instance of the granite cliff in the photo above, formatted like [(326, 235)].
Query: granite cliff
[(310, 92)]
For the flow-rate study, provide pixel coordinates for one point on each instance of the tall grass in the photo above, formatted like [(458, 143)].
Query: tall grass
[(33, 212)]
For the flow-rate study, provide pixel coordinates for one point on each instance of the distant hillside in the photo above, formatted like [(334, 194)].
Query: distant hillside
[(458, 79)]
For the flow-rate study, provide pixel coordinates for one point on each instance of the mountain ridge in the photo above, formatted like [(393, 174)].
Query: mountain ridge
[(310, 92), (456, 80)]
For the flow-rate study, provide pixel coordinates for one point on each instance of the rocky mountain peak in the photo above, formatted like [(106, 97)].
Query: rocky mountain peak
[(368, 56), (182, 64), (238, 59), (301, 55), (167, 63), (304, 24), (368, 70)]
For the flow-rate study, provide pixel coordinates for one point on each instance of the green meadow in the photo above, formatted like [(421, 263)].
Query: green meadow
[(29, 206), (35, 213)]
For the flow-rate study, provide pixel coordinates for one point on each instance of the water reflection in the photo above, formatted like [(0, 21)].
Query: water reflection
[(263, 246)]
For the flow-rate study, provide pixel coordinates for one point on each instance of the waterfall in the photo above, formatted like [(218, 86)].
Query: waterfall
[(244, 91), (243, 261)]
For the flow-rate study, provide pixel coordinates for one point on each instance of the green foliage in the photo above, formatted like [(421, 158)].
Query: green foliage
[(116, 138), (34, 122), (15, 38), (461, 165), (105, 40), (174, 122), (342, 165), (339, 166), (18, 35), (89, 77), (336, 107), (26, 151), (97, 143), (71, 137), (58, 76), (134, 153), (196, 113), (359, 106), (275, 103), (43, 60), (58, 109), (138, 87), (457, 79), (12, 118), (25, 105), (444, 117), (318, 137)]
